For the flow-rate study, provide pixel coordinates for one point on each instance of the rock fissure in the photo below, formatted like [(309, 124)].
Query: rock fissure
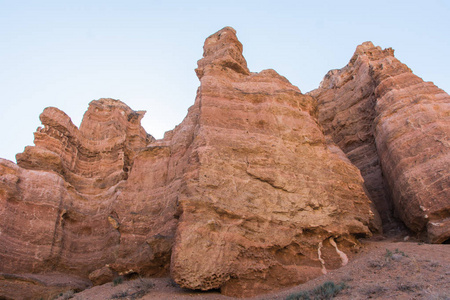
[(400, 98), (269, 181)]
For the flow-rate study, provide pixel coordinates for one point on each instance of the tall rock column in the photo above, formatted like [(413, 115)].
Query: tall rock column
[(396, 128), (268, 202)]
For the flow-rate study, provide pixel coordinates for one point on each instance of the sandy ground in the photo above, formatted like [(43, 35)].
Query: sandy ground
[(383, 269)]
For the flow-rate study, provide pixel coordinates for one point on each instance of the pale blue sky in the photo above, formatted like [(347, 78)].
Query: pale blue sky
[(67, 53)]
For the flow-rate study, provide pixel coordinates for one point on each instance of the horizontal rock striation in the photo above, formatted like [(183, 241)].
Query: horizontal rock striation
[(346, 103), (394, 127), (40, 286), (77, 202), (249, 194), (264, 200), (268, 201), (95, 157)]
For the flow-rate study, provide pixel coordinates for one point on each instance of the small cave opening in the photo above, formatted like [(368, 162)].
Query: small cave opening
[(131, 276)]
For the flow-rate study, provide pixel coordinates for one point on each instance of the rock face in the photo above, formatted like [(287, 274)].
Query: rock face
[(263, 199), (247, 194), (395, 128), (268, 202), (76, 202)]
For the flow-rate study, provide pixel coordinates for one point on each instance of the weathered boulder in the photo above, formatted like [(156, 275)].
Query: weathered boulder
[(268, 203), (394, 127), (101, 276)]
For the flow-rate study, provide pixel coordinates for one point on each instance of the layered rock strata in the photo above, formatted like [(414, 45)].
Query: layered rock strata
[(268, 203), (395, 128), (246, 194), (40, 286), (81, 199)]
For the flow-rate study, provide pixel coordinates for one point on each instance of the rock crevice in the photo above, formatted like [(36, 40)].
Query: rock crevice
[(394, 127)]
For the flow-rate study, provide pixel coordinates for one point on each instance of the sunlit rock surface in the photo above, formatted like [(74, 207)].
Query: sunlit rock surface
[(266, 194), (77, 201), (257, 189), (394, 127)]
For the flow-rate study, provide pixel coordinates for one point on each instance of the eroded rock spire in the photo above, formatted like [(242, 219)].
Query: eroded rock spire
[(222, 50)]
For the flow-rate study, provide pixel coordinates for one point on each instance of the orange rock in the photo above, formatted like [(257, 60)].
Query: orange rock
[(394, 127), (265, 193), (101, 276), (247, 194), (75, 203)]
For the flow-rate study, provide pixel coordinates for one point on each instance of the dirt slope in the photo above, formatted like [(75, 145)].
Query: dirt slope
[(384, 269)]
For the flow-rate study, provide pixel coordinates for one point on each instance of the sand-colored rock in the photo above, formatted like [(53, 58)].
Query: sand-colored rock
[(95, 157), (394, 127), (75, 203), (265, 200), (267, 197), (246, 195)]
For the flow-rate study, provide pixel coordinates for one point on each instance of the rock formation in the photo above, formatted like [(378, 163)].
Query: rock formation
[(77, 203), (395, 128), (247, 194), (266, 192)]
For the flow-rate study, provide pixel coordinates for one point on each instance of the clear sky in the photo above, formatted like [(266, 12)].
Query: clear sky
[(67, 53)]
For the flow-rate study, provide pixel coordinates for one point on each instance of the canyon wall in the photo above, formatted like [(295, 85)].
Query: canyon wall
[(395, 128), (268, 192), (258, 188), (77, 202)]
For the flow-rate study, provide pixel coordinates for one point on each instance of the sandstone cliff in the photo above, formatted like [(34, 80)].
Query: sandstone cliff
[(267, 195), (248, 194), (395, 128), (77, 203)]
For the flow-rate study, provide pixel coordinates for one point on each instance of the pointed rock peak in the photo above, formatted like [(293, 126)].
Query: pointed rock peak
[(221, 39), (222, 52), (373, 52)]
